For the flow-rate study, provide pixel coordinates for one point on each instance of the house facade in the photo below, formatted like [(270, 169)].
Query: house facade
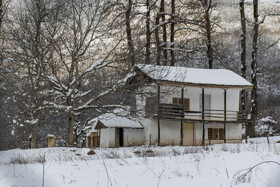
[(188, 106)]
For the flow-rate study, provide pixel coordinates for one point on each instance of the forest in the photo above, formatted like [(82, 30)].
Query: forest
[(62, 62)]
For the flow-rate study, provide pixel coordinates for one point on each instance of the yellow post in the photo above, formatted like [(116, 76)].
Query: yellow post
[(51, 140)]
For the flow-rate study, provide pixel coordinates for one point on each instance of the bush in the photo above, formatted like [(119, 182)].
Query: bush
[(91, 152)]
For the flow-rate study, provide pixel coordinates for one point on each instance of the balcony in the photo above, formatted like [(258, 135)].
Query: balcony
[(177, 112)]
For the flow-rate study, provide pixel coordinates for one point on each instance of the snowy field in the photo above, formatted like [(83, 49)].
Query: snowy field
[(216, 165)]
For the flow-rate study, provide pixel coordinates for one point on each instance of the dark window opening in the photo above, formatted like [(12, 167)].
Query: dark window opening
[(178, 101), (215, 134)]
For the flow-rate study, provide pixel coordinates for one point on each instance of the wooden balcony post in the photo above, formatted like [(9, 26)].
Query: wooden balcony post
[(183, 115), (203, 123), (158, 116), (225, 113)]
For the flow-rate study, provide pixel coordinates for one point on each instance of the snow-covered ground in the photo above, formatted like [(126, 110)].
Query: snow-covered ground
[(216, 165)]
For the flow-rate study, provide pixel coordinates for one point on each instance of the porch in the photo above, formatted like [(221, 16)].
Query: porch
[(178, 112), (223, 113)]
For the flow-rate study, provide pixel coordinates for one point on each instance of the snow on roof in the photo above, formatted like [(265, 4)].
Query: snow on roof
[(194, 76), (113, 120)]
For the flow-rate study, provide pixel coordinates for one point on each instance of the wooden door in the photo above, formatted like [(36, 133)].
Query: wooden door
[(188, 134), (95, 139)]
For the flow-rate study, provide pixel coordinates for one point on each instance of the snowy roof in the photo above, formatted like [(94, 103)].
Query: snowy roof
[(195, 76), (112, 120)]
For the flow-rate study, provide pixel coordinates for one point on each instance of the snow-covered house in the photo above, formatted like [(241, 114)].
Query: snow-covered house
[(178, 106), (190, 106), (111, 130)]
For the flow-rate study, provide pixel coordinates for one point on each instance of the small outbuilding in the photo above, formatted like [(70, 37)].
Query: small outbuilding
[(111, 130)]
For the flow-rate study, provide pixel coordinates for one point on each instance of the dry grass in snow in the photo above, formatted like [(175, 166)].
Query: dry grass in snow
[(252, 164)]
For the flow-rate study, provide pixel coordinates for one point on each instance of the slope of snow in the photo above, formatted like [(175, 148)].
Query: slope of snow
[(216, 165)]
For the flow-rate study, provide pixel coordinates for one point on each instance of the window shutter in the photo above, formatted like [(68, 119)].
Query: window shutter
[(215, 134), (209, 133), (175, 101), (221, 134), (187, 104)]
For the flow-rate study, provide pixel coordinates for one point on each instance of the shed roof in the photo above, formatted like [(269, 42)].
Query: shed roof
[(194, 76), (112, 120)]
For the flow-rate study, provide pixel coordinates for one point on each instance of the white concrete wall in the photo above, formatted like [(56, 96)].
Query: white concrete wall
[(107, 137), (133, 137), (170, 132), (198, 128), (233, 132)]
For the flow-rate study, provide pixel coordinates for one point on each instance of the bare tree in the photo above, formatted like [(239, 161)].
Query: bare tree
[(84, 46), (158, 44), (148, 34), (164, 32), (243, 51), (1, 12), (30, 49), (172, 33), (208, 28), (128, 31), (254, 95)]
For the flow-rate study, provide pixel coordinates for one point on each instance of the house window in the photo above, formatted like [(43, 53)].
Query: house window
[(178, 101), (215, 134)]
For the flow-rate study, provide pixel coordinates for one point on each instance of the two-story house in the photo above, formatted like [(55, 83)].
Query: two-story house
[(188, 106)]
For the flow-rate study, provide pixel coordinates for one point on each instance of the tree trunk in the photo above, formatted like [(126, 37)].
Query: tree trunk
[(164, 32), (243, 52), (172, 52), (33, 137), (148, 36), (129, 35), (70, 123), (254, 95), (157, 42), (70, 129), (1, 12), (207, 7)]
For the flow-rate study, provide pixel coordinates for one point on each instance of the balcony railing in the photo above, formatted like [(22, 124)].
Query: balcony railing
[(173, 111)]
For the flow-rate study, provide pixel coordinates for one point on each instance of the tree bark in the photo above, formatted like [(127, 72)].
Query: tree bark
[(70, 129), (164, 32), (148, 36), (206, 27), (254, 95), (158, 57), (70, 123), (1, 12), (129, 35), (33, 137), (172, 35), (243, 52), (207, 7)]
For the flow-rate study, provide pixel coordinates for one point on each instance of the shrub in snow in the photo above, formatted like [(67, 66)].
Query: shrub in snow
[(20, 159), (149, 153), (266, 126), (91, 152)]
